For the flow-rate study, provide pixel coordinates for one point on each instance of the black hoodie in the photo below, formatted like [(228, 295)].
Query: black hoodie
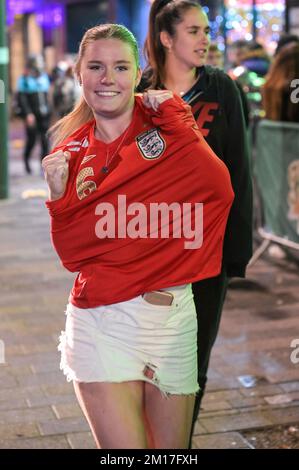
[(217, 108)]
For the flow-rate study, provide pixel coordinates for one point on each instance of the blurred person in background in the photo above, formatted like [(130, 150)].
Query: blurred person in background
[(176, 47), (284, 40), (249, 73), (277, 101), (256, 59), (277, 90), (215, 58), (65, 89), (236, 52), (33, 99)]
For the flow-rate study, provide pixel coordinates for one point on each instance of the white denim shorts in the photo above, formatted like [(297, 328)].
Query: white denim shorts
[(134, 340)]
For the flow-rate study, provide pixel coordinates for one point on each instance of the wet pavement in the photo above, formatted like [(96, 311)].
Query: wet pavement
[(252, 399)]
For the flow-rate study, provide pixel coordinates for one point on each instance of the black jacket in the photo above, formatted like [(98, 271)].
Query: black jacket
[(217, 108), (32, 96)]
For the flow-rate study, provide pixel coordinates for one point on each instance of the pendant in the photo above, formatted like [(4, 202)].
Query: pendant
[(105, 169)]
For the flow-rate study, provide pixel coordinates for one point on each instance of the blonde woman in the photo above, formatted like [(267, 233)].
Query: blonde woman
[(129, 344)]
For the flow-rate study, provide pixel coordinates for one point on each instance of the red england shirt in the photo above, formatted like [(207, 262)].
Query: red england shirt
[(155, 220)]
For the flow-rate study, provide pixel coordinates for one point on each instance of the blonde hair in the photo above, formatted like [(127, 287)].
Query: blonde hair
[(82, 113)]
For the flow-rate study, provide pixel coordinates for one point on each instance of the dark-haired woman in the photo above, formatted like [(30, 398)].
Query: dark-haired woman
[(176, 47)]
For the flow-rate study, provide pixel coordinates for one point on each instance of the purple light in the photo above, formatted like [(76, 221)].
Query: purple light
[(17, 7), (48, 15)]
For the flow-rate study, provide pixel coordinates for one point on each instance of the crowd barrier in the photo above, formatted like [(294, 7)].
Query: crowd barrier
[(276, 171)]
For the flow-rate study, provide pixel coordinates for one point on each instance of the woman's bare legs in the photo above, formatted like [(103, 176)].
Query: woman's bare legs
[(135, 415), (114, 412), (168, 419)]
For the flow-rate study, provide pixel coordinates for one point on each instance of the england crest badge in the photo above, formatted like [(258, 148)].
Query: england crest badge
[(151, 144)]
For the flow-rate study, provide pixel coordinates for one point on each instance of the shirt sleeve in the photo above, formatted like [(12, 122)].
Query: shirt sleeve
[(174, 115)]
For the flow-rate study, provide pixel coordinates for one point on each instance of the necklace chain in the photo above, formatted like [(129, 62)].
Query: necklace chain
[(109, 159)]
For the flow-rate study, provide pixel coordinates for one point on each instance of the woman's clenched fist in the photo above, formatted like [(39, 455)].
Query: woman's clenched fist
[(56, 170)]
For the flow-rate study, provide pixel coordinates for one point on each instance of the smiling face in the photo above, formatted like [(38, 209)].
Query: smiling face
[(191, 41), (109, 75)]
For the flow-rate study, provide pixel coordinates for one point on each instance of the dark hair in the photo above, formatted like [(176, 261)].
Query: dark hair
[(255, 46), (164, 15), (276, 90), (239, 44), (285, 39), (214, 47)]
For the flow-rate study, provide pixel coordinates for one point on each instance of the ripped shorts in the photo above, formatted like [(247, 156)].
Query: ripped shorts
[(134, 340)]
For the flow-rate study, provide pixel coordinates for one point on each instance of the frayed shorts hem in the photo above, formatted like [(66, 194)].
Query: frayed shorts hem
[(162, 389)]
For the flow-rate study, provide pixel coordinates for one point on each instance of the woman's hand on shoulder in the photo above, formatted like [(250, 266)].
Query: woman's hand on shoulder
[(56, 170), (153, 98)]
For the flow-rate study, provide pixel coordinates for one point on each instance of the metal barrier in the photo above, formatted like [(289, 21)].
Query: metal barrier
[(276, 170)]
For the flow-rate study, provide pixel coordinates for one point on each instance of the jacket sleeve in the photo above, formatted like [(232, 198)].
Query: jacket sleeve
[(238, 238)]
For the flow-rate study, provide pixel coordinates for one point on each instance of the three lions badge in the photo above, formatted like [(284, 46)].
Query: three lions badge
[(151, 144)]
